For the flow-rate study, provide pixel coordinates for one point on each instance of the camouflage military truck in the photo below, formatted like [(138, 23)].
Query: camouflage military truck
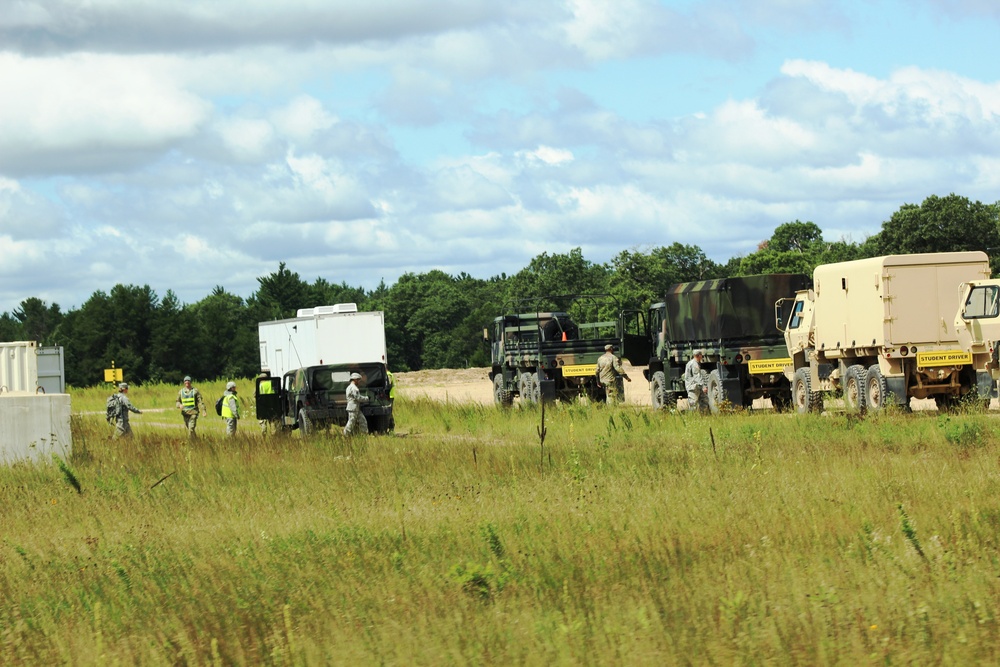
[(887, 329), (730, 320), (547, 355)]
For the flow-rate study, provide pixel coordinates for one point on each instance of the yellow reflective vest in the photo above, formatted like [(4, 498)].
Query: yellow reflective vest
[(227, 412)]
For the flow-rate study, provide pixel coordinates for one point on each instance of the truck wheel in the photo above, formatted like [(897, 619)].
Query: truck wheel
[(524, 387), (500, 393), (535, 389), (855, 382), (715, 398), (876, 391), (658, 391), (803, 397), (305, 424)]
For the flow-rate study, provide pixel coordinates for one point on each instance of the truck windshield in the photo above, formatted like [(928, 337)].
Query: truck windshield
[(982, 303)]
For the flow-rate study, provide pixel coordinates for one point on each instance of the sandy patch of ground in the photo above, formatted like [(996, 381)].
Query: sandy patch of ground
[(472, 385)]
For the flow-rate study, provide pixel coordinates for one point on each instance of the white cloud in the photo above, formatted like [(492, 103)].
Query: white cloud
[(92, 111), (302, 118)]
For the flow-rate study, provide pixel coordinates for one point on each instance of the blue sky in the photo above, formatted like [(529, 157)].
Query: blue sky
[(189, 145)]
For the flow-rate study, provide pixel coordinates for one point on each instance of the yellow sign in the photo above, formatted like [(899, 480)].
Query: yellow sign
[(944, 358), (762, 366), (579, 370), (113, 375)]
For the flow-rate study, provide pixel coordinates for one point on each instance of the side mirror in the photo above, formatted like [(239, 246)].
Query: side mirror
[(486, 334), (779, 312)]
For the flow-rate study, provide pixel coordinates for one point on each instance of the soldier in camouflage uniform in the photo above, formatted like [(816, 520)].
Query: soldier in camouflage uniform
[(356, 422), (230, 409), (696, 383), (122, 428), (190, 403), (609, 369)]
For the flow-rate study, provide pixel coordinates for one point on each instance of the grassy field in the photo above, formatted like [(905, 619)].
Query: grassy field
[(630, 537)]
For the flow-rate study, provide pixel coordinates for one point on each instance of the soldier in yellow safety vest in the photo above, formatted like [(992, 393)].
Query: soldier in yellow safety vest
[(190, 403), (230, 408)]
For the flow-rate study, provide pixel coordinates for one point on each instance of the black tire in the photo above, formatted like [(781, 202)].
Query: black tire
[(804, 399), (535, 389), (715, 396), (876, 390), (524, 387), (855, 384), (500, 394), (306, 428), (658, 391)]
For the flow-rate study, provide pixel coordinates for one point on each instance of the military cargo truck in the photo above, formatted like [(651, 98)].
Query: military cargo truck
[(546, 354), (884, 330), (310, 358), (730, 320)]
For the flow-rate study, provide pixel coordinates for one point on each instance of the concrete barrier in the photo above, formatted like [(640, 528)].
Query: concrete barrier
[(33, 427)]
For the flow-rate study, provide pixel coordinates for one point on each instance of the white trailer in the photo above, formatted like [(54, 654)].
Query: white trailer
[(324, 335)]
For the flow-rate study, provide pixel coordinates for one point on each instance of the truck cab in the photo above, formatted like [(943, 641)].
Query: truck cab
[(977, 322), (794, 318)]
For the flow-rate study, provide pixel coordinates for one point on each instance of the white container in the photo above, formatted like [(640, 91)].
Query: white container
[(18, 367), (323, 337), (33, 427)]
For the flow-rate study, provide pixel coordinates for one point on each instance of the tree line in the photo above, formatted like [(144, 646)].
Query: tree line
[(434, 319)]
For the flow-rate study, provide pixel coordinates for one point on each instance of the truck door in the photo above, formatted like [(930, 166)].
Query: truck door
[(978, 319), (268, 398), (798, 329), (637, 347)]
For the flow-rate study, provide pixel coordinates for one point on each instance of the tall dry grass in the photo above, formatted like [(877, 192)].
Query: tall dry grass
[(633, 537)]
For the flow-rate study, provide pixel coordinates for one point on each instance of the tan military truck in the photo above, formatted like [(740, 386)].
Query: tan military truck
[(884, 330)]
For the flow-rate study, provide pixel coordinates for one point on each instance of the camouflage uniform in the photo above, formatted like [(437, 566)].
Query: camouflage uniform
[(230, 409), (190, 403), (696, 383), (609, 372), (356, 421), (122, 428)]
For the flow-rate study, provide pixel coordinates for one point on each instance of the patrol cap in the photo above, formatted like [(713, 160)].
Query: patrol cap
[(123, 385), (355, 376), (230, 385), (609, 347), (698, 353), (187, 378)]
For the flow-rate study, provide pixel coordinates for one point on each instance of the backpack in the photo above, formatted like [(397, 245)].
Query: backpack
[(218, 406), (112, 408)]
